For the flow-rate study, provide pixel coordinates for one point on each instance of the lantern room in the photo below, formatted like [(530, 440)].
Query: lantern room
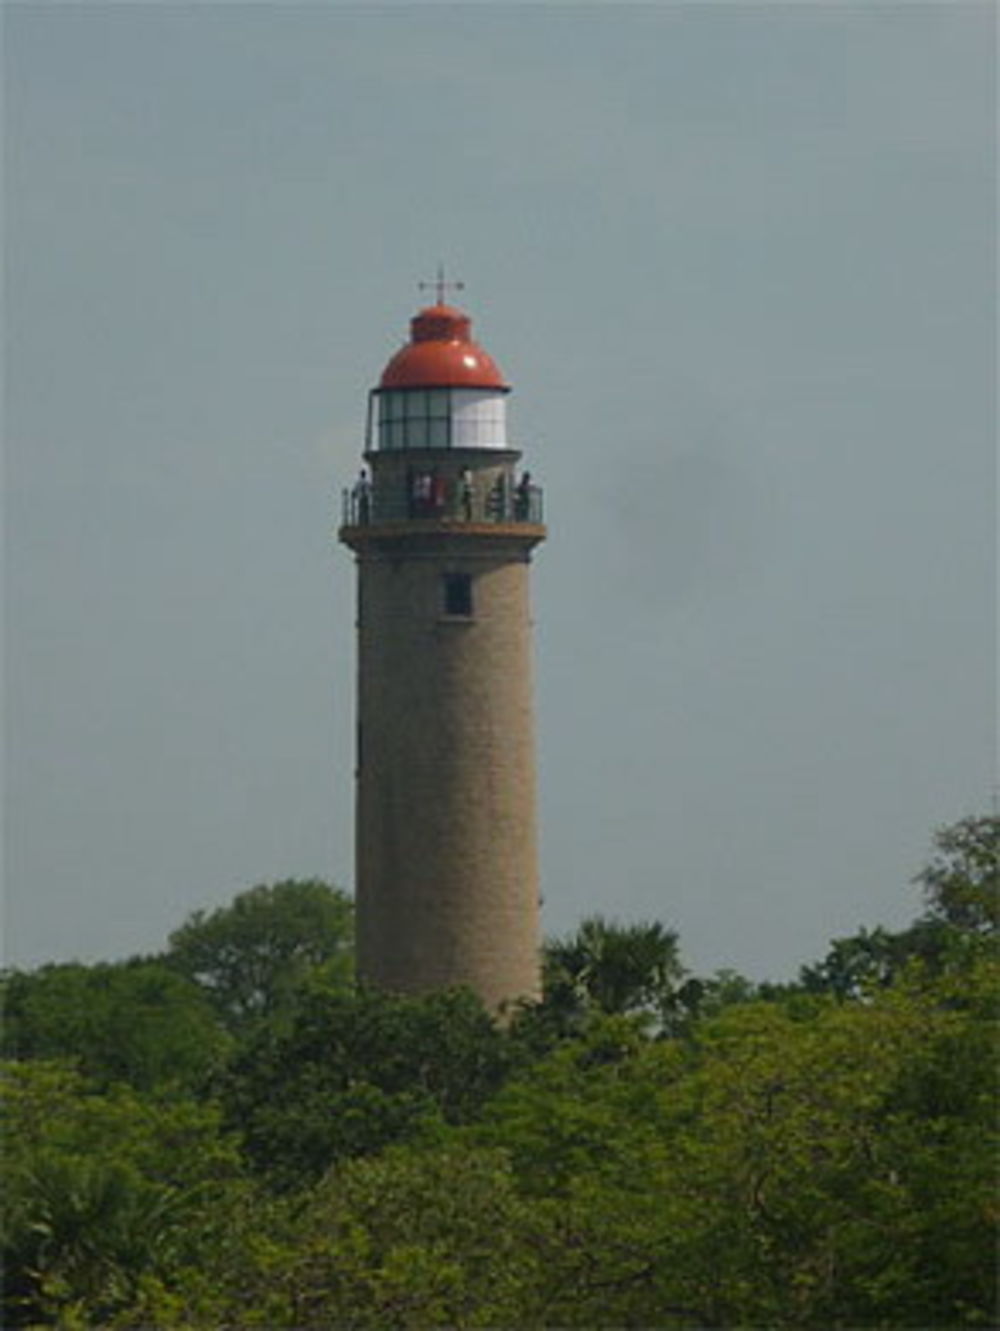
[(440, 391), (436, 445)]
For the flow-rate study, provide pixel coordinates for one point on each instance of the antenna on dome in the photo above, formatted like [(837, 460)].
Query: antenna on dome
[(440, 286)]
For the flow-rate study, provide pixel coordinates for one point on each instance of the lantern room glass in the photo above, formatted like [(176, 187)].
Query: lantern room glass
[(439, 418)]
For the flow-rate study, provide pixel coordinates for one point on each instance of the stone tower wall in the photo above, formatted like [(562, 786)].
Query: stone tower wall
[(446, 839)]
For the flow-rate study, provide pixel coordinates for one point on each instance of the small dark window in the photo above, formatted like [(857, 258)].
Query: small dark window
[(458, 594)]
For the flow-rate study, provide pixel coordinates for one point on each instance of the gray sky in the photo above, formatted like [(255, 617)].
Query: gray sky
[(737, 262)]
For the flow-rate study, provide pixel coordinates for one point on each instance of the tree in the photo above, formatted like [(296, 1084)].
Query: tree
[(614, 968), (103, 1189), (854, 966), (790, 1165), (412, 1239), (700, 997), (962, 894), (352, 1073), (250, 957), (135, 1021), (962, 881)]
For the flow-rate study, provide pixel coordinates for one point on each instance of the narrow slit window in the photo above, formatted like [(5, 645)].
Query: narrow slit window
[(458, 594)]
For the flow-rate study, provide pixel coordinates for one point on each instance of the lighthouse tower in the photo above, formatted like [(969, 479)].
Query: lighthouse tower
[(442, 524)]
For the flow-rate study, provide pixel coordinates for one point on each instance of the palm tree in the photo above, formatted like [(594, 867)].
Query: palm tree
[(614, 968)]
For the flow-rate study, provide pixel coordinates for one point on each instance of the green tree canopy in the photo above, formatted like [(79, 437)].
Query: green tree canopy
[(791, 1156), (351, 1073), (796, 1166), (136, 1021), (250, 956), (962, 880), (961, 919), (102, 1189), (410, 1239), (790, 1166), (613, 968)]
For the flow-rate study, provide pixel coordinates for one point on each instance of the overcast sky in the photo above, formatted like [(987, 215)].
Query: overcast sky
[(737, 262)]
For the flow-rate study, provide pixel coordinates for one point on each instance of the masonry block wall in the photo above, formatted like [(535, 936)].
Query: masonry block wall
[(447, 853)]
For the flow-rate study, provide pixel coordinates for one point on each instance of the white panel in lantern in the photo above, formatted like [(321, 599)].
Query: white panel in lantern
[(478, 418)]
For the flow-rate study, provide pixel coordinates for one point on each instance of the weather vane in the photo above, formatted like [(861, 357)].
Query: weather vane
[(440, 286)]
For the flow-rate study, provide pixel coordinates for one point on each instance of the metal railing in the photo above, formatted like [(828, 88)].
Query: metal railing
[(365, 504)]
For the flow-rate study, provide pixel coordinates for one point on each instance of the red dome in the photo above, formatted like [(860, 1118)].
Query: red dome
[(441, 354)]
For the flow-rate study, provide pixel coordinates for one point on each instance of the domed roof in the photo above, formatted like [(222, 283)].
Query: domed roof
[(441, 354)]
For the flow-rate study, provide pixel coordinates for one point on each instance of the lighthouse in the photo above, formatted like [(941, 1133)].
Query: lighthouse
[(443, 521)]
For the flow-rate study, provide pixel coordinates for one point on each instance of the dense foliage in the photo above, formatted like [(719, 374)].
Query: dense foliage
[(231, 1134)]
